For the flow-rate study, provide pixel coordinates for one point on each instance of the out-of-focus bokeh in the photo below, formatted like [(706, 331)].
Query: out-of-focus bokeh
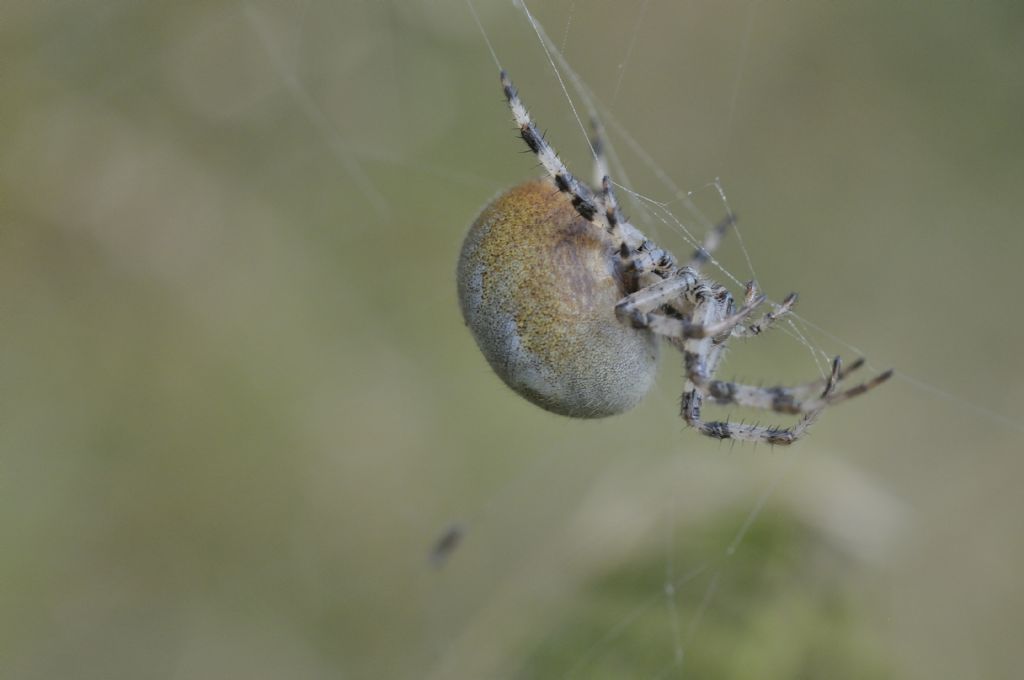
[(240, 408)]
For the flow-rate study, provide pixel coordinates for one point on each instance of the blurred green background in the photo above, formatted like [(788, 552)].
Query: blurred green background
[(239, 404)]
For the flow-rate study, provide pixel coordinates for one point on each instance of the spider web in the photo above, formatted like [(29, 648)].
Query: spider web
[(229, 236)]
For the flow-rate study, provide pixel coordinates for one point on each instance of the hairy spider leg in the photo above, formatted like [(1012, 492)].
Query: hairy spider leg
[(601, 209), (597, 145), (695, 314), (583, 199), (791, 400), (702, 255)]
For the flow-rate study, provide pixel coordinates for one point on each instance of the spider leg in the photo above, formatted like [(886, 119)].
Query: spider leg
[(641, 309), (718, 390), (681, 329), (683, 284), (768, 319), (693, 398), (587, 204), (597, 146), (711, 242), (791, 400), (860, 389), (599, 208)]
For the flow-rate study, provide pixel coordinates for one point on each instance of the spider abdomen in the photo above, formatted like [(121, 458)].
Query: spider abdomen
[(538, 286)]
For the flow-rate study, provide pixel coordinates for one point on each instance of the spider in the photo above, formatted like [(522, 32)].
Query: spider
[(566, 299)]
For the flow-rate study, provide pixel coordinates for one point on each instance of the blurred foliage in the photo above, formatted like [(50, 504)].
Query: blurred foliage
[(781, 610)]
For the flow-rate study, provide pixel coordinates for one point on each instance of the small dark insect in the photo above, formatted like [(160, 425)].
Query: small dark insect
[(446, 544), (567, 300)]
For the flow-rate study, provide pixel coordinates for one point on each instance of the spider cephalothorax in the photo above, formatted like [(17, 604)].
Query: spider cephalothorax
[(566, 300)]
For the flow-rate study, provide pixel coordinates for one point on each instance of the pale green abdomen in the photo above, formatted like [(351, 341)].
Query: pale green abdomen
[(538, 287)]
